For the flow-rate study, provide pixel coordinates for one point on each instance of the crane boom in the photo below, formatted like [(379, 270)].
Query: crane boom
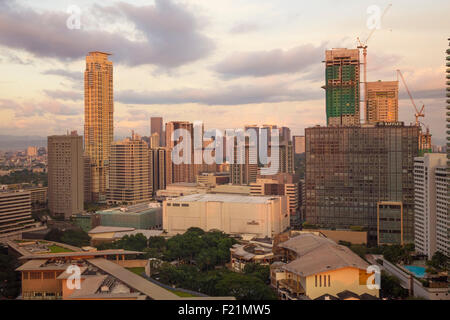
[(419, 114)]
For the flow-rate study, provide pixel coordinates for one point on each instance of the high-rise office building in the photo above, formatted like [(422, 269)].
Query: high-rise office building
[(183, 172), (350, 169), (65, 175), (382, 105), (155, 141), (299, 144), (342, 76), (129, 172), (98, 120), (426, 201), (156, 126), (160, 168)]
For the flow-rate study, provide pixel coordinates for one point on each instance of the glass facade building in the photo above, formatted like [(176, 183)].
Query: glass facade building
[(350, 169)]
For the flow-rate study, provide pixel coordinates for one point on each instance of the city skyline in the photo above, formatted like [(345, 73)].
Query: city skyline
[(186, 87)]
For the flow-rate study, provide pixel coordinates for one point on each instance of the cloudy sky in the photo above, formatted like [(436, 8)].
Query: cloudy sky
[(227, 63)]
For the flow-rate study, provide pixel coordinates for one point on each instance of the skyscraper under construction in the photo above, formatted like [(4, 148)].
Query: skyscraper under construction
[(98, 121), (342, 76)]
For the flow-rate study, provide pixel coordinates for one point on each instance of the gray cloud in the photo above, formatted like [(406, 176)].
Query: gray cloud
[(172, 35), (423, 94), (64, 94), (265, 63), (232, 95), (70, 75), (244, 27), (29, 109)]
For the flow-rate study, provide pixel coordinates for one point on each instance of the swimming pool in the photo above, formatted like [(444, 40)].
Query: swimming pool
[(418, 271)]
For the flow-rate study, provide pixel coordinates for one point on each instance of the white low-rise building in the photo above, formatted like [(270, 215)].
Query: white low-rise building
[(263, 216)]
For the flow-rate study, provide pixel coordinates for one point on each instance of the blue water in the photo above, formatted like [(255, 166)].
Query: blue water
[(418, 271)]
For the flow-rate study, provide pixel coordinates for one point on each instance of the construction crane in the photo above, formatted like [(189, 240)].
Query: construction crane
[(363, 45), (418, 114), (424, 138)]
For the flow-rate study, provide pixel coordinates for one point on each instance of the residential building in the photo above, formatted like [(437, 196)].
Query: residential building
[(299, 144), (442, 216), (160, 168), (315, 268), (156, 126), (425, 184), (244, 168), (281, 184), (183, 172), (65, 175), (155, 141), (350, 169), (129, 172), (263, 216), (342, 76), (15, 214), (382, 104), (98, 120)]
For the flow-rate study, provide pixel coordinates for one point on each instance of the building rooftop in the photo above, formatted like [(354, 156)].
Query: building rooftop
[(79, 254), (105, 229), (120, 232), (133, 280), (220, 197), (138, 209), (316, 254)]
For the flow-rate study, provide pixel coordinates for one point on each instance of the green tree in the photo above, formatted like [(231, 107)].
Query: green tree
[(259, 271), (391, 288), (244, 287), (78, 238), (9, 278)]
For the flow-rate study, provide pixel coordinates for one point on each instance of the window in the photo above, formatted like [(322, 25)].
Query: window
[(320, 280), (35, 275), (316, 280), (329, 281)]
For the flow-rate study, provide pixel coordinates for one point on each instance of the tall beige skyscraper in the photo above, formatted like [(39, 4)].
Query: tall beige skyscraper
[(382, 103), (128, 172), (98, 120), (65, 175)]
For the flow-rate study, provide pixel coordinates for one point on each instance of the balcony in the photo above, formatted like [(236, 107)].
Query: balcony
[(294, 287)]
